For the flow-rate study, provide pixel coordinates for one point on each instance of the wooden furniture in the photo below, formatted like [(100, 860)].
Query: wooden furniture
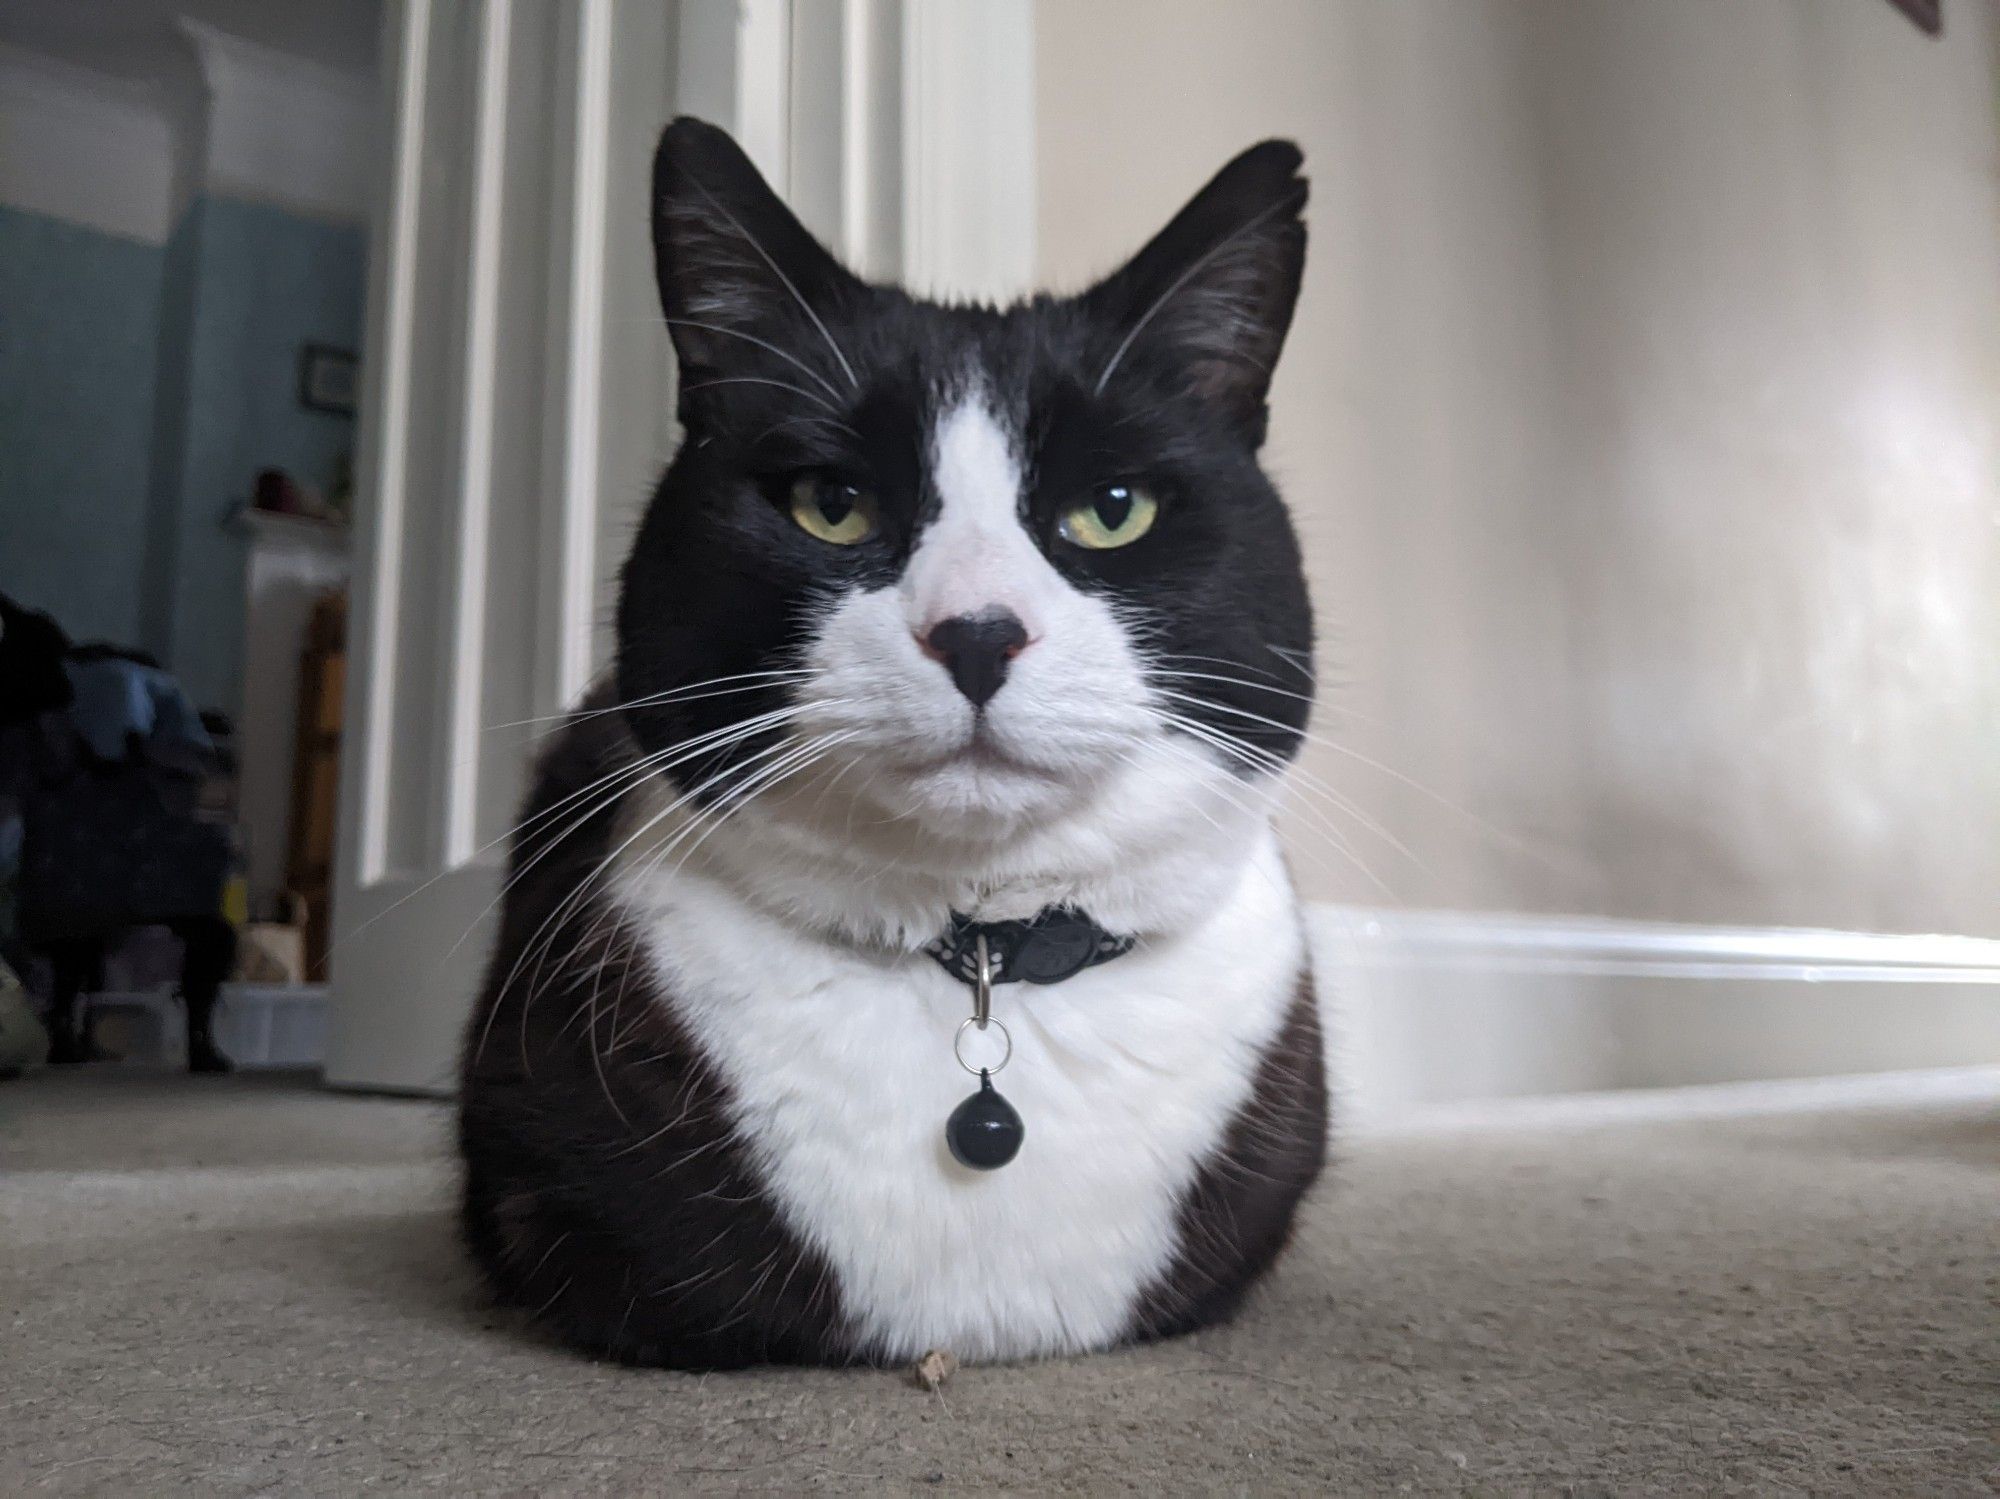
[(316, 772), (291, 563)]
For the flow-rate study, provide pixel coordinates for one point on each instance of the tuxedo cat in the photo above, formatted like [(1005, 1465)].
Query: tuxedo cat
[(948, 626)]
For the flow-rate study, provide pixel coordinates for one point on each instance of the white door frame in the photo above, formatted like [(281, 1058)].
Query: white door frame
[(517, 391)]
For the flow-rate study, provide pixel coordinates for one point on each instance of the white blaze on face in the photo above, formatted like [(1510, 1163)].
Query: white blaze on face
[(1063, 787), (1074, 701), (975, 556)]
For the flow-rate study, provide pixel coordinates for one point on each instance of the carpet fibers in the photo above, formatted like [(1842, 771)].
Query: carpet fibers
[(245, 1285)]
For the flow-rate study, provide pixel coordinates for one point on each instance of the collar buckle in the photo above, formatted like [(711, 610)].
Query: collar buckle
[(1056, 943)]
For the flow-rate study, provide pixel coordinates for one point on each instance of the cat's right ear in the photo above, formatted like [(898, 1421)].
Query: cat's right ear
[(744, 285), (1206, 304)]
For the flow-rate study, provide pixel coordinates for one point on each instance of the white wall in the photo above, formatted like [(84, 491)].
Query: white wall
[(286, 130), (124, 155), (84, 147), (1776, 239), (1640, 420)]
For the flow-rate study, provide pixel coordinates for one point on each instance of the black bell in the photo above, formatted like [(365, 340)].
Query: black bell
[(984, 1132)]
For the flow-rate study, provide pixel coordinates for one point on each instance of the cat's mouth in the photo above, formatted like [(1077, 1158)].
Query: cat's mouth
[(979, 753)]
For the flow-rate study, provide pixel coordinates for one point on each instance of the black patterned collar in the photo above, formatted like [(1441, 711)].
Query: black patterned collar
[(1050, 946)]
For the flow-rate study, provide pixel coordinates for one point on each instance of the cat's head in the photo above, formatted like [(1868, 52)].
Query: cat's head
[(964, 568)]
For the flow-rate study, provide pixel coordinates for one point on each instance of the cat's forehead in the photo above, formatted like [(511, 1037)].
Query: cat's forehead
[(940, 367)]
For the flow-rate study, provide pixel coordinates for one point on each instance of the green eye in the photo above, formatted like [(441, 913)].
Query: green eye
[(1117, 515), (832, 511)]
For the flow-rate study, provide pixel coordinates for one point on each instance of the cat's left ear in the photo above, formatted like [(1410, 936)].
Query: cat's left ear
[(743, 283), (1207, 303)]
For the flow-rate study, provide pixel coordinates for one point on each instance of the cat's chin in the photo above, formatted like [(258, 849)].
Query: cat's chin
[(980, 785)]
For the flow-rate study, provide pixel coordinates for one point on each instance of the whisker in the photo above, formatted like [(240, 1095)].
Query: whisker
[(1492, 830), (1301, 780), (1209, 676), (750, 338), (538, 942), (1226, 786), (733, 800), (542, 940), (805, 306), (632, 770), (654, 760), (716, 742), (760, 680), (757, 380), (1287, 204), (806, 419), (1290, 659), (811, 753)]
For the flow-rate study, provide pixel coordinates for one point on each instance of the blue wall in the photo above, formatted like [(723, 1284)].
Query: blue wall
[(79, 338), (169, 448), (141, 389), (265, 284)]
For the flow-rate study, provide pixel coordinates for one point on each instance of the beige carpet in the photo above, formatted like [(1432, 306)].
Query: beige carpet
[(244, 1286)]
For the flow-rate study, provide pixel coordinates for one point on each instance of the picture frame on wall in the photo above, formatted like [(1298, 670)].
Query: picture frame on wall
[(329, 379)]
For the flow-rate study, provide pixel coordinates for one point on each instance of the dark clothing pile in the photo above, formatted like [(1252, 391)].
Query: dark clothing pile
[(102, 763)]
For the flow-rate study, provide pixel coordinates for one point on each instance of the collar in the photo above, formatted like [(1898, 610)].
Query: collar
[(1050, 946)]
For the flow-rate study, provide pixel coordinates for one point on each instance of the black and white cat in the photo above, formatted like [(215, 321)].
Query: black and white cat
[(941, 614)]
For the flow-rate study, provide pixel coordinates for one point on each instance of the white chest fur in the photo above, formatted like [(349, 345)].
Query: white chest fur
[(841, 1067)]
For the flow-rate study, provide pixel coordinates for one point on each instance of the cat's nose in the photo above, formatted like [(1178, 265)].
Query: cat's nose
[(975, 649)]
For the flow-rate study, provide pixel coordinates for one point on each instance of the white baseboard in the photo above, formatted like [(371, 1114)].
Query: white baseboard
[(1430, 1007)]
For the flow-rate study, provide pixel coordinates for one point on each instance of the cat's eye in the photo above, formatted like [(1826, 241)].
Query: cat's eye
[(1117, 515), (832, 511)]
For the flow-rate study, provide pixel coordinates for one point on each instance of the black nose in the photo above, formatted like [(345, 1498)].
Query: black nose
[(975, 649)]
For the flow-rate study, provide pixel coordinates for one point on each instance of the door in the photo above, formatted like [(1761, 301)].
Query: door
[(498, 484), (517, 396)]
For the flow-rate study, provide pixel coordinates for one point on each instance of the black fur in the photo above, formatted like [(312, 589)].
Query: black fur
[(1238, 1215), (603, 1188), (721, 582)]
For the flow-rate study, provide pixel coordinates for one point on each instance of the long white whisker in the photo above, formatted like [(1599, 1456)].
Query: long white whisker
[(1209, 676), (750, 338), (805, 306), (759, 680), (541, 941), (1300, 780), (1299, 775), (1289, 202), (1228, 788), (780, 384), (680, 753), (632, 770), (811, 753), (546, 932), (1238, 665), (608, 861), (1323, 826), (648, 762), (730, 802)]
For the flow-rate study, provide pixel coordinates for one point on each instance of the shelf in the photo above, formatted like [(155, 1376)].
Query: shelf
[(294, 530)]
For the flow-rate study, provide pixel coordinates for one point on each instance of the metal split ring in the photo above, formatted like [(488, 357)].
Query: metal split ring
[(982, 983), (958, 1044), (982, 1012)]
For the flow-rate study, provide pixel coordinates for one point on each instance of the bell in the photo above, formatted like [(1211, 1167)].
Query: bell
[(984, 1132)]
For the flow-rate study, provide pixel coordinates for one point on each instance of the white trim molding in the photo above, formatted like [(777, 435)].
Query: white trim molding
[(383, 454), (1428, 1007), (902, 131), (968, 133), (282, 129), (84, 147), (1602, 947), (574, 441)]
